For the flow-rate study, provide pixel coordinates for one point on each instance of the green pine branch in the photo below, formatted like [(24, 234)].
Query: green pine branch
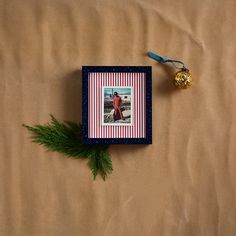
[(66, 138)]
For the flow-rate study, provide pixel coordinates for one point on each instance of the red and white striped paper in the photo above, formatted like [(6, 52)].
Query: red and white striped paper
[(99, 80)]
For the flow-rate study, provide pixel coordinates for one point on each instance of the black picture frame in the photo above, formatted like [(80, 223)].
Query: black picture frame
[(148, 106)]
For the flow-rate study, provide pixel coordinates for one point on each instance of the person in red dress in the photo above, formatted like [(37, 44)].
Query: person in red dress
[(117, 107)]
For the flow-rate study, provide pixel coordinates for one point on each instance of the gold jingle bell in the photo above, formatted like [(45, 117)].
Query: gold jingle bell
[(183, 79)]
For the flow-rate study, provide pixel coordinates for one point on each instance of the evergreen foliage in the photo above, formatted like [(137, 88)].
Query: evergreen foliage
[(66, 138)]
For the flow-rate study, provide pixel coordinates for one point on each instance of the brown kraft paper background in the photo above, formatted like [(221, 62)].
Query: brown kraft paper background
[(182, 185)]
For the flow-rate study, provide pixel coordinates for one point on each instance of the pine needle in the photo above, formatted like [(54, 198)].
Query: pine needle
[(66, 138)]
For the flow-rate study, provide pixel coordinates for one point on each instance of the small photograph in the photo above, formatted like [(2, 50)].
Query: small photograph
[(117, 105)]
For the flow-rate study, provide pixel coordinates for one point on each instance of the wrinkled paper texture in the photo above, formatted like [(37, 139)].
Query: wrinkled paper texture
[(184, 184)]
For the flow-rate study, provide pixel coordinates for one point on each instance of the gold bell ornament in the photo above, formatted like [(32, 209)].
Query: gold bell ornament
[(182, 78)]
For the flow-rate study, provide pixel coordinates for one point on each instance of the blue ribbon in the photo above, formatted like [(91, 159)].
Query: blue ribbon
[(164, 60)]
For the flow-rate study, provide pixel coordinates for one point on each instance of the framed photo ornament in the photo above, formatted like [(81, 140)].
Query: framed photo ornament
[(117, 104)]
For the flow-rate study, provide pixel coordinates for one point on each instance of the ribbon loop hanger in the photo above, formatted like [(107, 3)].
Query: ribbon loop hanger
[(164, 60), (182, 78)]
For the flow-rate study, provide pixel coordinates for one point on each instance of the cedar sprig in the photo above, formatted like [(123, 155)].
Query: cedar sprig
[(66, 138)]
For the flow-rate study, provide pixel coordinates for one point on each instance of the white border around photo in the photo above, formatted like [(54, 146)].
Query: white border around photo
[(132, 107)]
